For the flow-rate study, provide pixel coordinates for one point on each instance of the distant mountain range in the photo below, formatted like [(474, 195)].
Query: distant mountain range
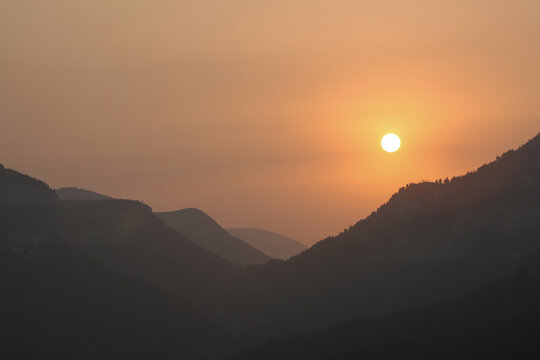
[(207, 233), (195, 225), (276, 245)]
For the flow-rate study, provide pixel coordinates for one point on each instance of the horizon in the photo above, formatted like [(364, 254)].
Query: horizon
[(225, 226), (258, 118)]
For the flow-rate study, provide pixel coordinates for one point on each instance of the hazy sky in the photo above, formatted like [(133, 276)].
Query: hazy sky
[(264, 113)]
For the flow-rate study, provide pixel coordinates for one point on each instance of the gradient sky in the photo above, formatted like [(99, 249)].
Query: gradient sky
[(264, 113)]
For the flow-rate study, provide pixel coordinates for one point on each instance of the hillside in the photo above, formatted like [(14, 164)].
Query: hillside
[(126, 236), (501, 320), (207, 233), (101, 279), (27, 211), (19, 189), (74, 193), (59, 303), (275, 245), (430, 242)]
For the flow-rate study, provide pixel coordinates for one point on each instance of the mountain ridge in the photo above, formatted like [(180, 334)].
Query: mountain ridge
[(101, 279), (197, 226), (430, 242), (203, 231), (278, 246), (75, 193)]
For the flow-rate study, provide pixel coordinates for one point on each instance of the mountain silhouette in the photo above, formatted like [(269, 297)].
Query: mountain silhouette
[(430, 242), (501, 320), (207, 233), (74, 193), (127, 236), (17, 189), (275, 245), (27, 212), (192, 223), (100, 279)]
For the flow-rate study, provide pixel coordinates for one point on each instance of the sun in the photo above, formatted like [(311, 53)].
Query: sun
[(390, 143)]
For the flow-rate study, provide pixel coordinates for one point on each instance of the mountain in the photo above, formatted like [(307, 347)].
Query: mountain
[(59, 303), (26, 211), (126, 236), (206, 232), (17, 189), (74, 193), (102, 279), (501, 320), (431, 242), (275, 245), (194, 224)]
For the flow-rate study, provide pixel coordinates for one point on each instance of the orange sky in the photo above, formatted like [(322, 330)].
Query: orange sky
[(264, 113)]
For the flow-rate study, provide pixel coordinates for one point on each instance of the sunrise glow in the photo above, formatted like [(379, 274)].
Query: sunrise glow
[(390, 143)]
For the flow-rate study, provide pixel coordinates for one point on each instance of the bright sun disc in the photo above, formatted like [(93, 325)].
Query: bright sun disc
[(390, 142)]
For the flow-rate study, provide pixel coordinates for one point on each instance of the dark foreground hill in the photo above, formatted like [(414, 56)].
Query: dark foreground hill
[(101, 279), (275, 245), (57, 303), (430, 242), (74, 193), (207, 233), (500, 321)]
